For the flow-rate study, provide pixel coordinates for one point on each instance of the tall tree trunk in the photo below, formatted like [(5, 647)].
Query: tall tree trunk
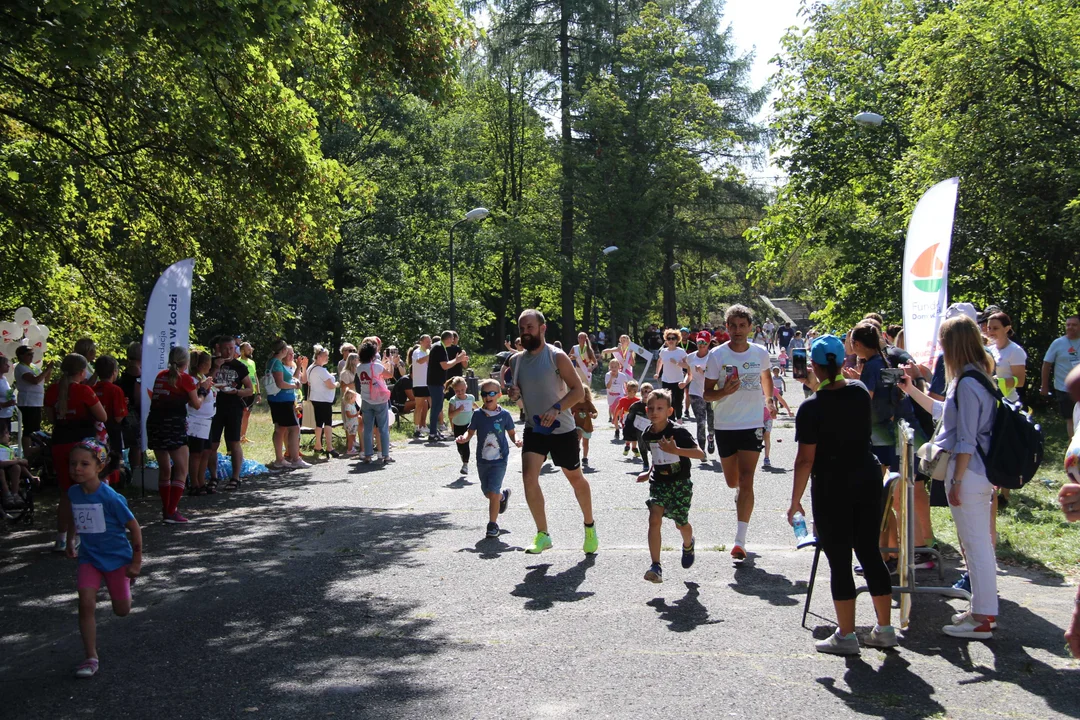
[(504, 299), (667, 276), (566, 239)]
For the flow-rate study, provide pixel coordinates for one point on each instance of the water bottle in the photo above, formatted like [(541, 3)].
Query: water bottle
[(799, 523)]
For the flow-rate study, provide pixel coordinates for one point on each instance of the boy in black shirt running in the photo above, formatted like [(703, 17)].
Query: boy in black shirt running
[(670, 489)]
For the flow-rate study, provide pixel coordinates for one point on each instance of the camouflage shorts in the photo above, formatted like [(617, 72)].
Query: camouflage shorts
[(674, 496)]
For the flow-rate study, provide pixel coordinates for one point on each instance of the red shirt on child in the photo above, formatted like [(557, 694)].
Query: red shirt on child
[(112, 399)]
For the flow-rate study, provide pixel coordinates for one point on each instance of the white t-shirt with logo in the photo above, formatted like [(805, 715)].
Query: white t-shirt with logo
[(1064, 355), (30, 394), (419, 370), (671, 372), (745, 408), (1004, 359), (699, 365), (618, 387)]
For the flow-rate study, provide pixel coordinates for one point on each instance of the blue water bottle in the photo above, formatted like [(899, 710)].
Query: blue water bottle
[(799, 523)]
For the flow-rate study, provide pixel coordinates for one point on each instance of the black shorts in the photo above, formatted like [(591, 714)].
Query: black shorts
[(31, 419), (420, 391), (324, 413), (229, 421), (283, 414), (565, 448), (197, 444), (5, 424), (1065, 404), (131, 429), (249, 401), (729, 442)]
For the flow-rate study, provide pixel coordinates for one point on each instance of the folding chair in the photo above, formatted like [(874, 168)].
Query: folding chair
[(307, 425), (887, 488)]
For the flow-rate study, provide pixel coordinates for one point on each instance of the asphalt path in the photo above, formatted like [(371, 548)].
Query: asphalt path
[(353, 591)]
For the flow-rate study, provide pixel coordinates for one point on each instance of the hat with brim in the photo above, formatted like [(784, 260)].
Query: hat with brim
[(965, 309), (826, 349)]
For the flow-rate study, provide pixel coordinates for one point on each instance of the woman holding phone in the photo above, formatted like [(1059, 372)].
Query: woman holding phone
[(967, 418)]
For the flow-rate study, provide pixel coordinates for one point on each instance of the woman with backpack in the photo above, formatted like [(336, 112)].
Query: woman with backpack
[(371, 378), (967, 419)]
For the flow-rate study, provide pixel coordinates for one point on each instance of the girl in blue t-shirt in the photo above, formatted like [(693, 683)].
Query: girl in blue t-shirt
[(492, 424), (101, 517)]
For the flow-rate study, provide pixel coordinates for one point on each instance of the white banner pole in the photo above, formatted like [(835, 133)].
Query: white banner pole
[(926, 268), (168, 322)]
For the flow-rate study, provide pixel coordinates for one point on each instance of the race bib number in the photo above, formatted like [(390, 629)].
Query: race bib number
[(659, 457), (89, 519), (642, 423), (198, 427)]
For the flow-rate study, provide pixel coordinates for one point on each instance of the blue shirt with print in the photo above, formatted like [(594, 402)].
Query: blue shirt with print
[(101, 519), (286, 377), (491, 445)]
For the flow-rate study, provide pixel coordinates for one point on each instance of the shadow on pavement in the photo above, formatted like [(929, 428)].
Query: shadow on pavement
[(257, 603), (492, 548), (1020, 631), (776, 589), (543, 590), (686, 613), (890, 691)]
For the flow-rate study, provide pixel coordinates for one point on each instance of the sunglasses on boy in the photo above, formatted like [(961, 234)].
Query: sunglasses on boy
[(489, 393)]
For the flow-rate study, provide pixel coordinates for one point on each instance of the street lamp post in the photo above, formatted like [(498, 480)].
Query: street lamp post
[(474, 215), (592, 291)]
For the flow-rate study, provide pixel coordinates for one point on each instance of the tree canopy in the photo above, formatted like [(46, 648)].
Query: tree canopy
[(982, 90)]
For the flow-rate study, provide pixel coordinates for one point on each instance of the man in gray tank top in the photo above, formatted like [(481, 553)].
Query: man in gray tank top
[(548, 385)]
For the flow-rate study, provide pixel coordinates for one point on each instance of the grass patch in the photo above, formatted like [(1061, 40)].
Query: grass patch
[(1032, 531)]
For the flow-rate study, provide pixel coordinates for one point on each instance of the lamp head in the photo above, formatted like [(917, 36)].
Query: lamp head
[(869, 119), (477, 214), (609, 249)]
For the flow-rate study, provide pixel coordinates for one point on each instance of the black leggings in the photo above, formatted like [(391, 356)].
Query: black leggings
[(676, 397), (850, 519), (462, 448)]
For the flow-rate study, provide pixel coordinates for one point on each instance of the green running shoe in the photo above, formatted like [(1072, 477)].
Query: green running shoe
[(540, 543), (592, 544)]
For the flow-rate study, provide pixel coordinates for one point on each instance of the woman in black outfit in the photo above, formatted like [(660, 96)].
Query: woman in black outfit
[(832, 429)]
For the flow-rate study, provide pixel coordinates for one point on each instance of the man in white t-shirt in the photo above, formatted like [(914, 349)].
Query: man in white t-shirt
[(739, 378), (1061, 357), (419, 373)]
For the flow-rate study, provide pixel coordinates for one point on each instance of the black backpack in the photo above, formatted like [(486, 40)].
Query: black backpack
[(1016, 440)]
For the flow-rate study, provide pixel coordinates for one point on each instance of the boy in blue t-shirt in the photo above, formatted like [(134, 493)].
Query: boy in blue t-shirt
[(492, 424), (102, 518)]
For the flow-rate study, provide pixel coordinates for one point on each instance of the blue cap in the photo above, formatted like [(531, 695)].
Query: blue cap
[(825, 346)]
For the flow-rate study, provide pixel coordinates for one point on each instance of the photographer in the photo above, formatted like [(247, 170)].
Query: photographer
[(833, 431), (967, 418), (866, 344)]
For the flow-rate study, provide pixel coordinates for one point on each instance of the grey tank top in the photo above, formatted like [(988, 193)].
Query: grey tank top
[(537, 377)]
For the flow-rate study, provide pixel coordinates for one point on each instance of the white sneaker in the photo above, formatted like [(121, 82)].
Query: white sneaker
[(969, 628), (300, 463), (465, 469), (837, 644), (881, 638), (60, 545), (959, 618)]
